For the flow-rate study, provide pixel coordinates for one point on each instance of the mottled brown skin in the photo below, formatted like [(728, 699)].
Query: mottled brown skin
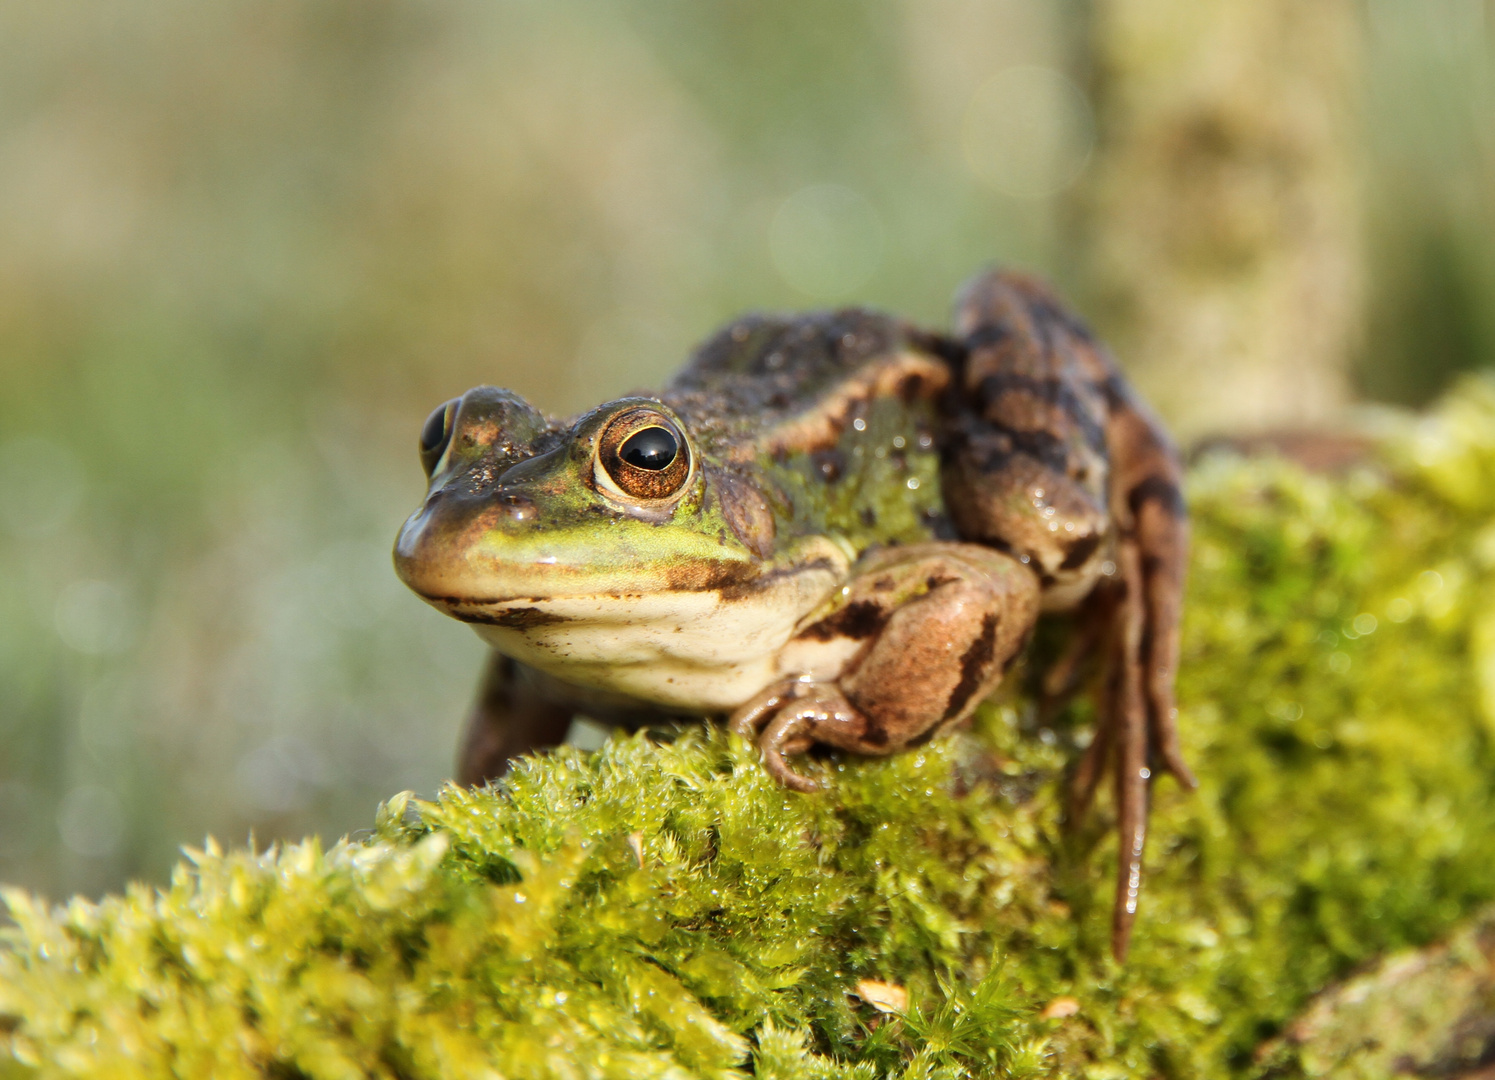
[(939, 623), (1056, 492)]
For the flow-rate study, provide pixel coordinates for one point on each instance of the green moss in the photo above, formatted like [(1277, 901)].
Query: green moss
[(659, 908)]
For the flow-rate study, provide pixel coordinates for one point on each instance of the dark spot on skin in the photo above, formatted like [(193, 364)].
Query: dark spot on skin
[(875, 734), (999, 543), (526, 618), (1079, 552), (948, 349), (858, 620), (868, 516), (911, 388), (1157, 489), (993, 449), (973, 665), (829, 464), (1056, 391)]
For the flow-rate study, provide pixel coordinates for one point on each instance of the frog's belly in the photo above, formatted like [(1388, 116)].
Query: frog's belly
[(697, 652)]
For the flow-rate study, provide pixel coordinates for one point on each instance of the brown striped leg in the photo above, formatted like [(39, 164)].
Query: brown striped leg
[(1132, 774), (1163, 534)]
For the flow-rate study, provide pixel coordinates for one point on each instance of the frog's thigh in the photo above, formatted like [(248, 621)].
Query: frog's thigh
[(940, 654)]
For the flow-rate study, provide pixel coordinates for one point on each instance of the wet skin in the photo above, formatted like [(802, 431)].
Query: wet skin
[(834, 529)]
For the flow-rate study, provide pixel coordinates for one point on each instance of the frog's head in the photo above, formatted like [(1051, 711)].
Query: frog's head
[(525, 518)]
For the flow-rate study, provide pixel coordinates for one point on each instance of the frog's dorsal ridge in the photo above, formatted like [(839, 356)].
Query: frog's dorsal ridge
[(773, 383)]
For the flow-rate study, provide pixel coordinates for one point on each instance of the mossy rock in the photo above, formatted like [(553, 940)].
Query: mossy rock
[(659, 908)]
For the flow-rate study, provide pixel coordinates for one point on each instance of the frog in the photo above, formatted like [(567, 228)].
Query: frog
[(831, 530)]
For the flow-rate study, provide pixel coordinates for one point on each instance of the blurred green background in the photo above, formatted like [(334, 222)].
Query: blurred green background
[(246, 247)]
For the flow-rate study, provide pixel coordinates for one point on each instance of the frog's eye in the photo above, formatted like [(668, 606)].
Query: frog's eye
[(436, 433), (644, 455), (653, 448)]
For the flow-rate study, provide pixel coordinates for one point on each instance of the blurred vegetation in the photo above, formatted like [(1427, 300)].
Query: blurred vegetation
[(247, 247), (625, 913), (1220, 223)]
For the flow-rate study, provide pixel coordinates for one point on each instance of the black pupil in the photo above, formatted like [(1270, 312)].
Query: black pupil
[(653, 448), (430, 435)]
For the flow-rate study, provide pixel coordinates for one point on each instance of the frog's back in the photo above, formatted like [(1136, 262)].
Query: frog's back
[(773, 383)]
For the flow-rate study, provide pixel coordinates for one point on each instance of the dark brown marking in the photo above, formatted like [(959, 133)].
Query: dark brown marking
[(744, 581), (525, 618), (973, 665), (1079, 552), (912, 388), (1044, 447), (857, 620), (1158, 489), (829, 464), (1055, 391)]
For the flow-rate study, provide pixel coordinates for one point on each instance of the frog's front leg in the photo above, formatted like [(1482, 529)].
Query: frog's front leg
[(918, 637), (512, 715)]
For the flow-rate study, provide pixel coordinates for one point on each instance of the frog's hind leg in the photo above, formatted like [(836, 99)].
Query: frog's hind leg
[(1127, 719), (1151, 514), (510, 717), (1138, 721)]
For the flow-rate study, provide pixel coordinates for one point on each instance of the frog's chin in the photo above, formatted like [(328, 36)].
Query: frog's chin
[(697, 650)]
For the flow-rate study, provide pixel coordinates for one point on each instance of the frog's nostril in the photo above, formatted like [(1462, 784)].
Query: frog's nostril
[(517, 507)]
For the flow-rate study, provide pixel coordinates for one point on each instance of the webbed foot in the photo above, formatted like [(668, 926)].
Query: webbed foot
[(784, 719)]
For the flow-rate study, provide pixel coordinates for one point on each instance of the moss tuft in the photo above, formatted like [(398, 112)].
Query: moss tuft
[(660, 909)]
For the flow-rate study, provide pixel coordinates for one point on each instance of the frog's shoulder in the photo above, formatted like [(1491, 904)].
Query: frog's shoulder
[(774, 382)]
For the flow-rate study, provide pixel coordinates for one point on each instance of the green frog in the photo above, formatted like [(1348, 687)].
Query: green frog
[(833, 529)]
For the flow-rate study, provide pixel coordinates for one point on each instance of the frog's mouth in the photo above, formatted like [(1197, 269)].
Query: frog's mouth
[(480, 561), (684, 647)]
